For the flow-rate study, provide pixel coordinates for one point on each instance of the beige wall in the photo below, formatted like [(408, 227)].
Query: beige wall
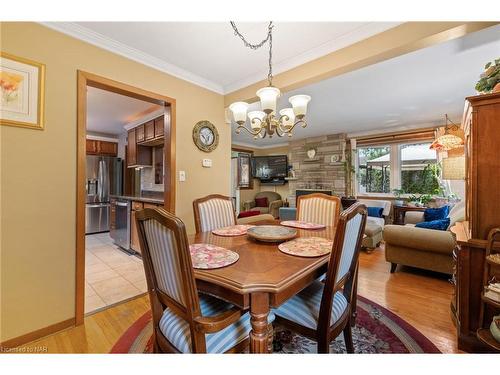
[(38, 172)]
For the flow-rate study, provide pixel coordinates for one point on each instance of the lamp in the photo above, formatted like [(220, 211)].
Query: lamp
[(266, 123), (447, 141), (453, 168)]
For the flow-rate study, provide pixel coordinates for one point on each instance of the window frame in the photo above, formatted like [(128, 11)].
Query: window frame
[(394, 165)]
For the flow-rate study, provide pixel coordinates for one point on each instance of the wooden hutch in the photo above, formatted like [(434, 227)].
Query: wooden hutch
[(481, 124)]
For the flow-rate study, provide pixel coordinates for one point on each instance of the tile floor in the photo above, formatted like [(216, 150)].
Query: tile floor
[(111, 275)]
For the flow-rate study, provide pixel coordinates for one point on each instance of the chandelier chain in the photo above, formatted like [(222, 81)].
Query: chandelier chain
[(269, 38)]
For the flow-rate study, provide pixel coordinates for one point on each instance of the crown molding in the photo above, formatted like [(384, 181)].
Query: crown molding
[(101, 41), (362, 32)]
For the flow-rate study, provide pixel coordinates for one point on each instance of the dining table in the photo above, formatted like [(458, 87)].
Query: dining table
[(263, 277)]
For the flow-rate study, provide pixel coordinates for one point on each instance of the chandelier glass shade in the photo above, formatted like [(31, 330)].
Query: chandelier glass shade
[(266, 122)]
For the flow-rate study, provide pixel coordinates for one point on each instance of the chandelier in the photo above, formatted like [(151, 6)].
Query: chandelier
[(447, 141), (265, 122)]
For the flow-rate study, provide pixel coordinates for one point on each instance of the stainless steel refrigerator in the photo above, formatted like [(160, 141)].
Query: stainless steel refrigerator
[(104, 178)]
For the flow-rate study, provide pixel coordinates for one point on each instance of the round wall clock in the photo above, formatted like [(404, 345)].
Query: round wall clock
[(205, 136)]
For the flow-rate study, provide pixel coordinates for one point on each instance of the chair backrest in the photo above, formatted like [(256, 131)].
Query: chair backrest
[(212, 212), (318, 208), (270, 195), (343, 262), (386, 205), (167, 264)]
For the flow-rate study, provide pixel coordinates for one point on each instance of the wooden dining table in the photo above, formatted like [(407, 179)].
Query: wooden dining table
[(262, 278)]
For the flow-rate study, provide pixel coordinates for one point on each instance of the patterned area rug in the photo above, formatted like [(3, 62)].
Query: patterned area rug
[(377, 330)]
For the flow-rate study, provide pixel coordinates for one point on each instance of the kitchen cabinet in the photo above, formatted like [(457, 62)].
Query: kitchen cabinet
[(159, 127), (139, 133), (149, 130), (104, 148), (134, 236), (137, 155)]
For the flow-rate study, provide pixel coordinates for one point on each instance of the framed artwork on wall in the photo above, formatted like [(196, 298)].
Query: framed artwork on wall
[(22, 88), (244, 171)]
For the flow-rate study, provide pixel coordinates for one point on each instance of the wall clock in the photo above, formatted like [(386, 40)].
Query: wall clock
[(205, 136)]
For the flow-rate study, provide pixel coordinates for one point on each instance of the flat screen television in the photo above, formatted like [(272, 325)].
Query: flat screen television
[(269, 168)]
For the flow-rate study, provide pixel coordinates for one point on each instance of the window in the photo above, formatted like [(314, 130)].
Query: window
[(374, 170), (419, 169), (411, 167)]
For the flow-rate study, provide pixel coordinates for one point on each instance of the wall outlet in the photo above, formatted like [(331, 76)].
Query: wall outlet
[(207, 163), (182, 176)]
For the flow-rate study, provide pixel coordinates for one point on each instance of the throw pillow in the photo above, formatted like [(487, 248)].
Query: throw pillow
[(248, 214), (442, 224), (375, 211), (431, 214), (261, 202)]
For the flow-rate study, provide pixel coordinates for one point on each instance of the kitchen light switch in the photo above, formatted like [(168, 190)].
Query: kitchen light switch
[(182, 176)]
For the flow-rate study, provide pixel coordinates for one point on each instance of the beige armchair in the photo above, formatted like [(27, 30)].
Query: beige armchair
[(419, 247), (274, 200)]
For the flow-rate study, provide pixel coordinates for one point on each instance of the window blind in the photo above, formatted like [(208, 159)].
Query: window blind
[(390, 138)]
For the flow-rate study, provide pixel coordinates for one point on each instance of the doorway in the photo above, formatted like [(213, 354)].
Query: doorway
[(165, 124)]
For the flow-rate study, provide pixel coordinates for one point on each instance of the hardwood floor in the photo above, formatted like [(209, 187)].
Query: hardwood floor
[(421, 298)]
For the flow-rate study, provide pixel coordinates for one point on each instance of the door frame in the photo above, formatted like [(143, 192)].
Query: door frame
[(85, 79)]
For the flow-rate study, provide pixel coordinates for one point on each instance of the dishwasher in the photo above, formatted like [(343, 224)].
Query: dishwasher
[(120, 223)]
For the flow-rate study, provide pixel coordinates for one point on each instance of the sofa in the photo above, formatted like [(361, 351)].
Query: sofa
[(274, 203), (375, 225), (428, 249)]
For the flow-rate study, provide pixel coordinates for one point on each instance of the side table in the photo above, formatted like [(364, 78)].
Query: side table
[(399, 213)]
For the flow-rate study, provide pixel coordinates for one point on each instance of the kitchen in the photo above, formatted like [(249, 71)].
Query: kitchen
[(125, 172)]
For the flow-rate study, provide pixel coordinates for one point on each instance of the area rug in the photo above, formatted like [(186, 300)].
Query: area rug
[(377, 330)]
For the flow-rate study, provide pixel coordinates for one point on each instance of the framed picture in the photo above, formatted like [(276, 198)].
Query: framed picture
[(22, 86), (244, 171)]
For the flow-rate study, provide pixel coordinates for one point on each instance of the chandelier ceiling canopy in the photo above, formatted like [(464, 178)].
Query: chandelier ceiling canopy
[(265, 122)]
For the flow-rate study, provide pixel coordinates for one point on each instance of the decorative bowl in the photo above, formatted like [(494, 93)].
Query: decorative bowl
[(495, 328), (271, 233)]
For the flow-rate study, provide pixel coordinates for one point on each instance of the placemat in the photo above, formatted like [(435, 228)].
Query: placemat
[(233, 230), (302, 224), (307, 247), (207, 256)]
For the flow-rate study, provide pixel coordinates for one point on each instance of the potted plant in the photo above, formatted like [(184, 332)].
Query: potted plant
[(489, 80), (398, 193)]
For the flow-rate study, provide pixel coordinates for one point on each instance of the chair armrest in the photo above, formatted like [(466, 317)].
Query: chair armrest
[(420, 238), (211, 324), (275, 204), (247, 205), (414, 217)]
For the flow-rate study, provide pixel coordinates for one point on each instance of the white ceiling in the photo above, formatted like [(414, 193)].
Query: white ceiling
[(210, 55), (108, 112), (410, 91)]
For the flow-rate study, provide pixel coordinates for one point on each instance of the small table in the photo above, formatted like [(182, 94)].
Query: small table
[(400, 212)]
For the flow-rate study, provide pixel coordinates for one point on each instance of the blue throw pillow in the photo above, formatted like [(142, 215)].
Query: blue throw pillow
[(375, 211), (442, 224), (431, 214)]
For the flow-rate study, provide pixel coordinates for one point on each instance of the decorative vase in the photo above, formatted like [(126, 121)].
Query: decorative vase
[(496, 88), (399, 202), (495, 328)]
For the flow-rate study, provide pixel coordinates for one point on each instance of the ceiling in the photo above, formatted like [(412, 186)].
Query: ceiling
[(108, 112), (210, 55), (411, 91)]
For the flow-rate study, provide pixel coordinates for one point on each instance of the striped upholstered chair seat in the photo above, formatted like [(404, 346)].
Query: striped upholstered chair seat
[(325, 309), (318, 208), (213, 212), (303, 308), (176, 330)]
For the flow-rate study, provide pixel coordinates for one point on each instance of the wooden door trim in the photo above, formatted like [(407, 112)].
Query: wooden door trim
[(85, 79)]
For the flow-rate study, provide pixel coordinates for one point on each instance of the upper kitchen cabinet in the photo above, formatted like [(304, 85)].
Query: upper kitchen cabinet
[(104, 148), (149, 130), (159, 127), (137, 155), (153, 132)]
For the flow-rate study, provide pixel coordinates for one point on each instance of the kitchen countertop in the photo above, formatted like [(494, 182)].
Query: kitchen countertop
[(139, 199)]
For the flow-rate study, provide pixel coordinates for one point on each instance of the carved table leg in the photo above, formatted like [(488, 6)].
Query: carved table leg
[(270, 338), (259, 310)]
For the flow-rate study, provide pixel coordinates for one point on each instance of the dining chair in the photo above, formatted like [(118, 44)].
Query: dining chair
[(184, 321), (318, 208), (324, 309), (213, 212)]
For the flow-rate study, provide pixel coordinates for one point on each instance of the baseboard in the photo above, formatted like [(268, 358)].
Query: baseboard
[(38, 334)]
